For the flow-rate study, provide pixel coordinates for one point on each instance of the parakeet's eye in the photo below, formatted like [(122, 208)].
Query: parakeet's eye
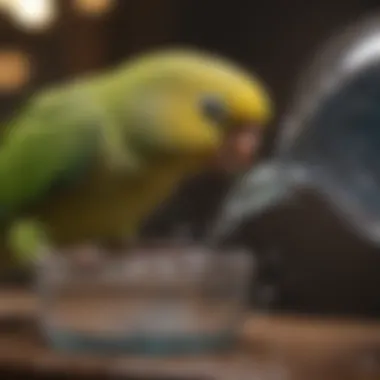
[(214, 108)]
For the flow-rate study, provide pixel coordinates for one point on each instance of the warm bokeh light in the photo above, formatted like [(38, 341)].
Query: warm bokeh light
[(94, 7), (15, 70), (4, 4), (32, 14)]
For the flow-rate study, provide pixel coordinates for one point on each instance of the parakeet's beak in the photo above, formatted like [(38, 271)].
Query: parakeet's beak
[(239, 148)]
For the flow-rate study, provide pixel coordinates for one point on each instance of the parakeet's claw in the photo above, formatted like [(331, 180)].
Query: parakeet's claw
[(28, 241)]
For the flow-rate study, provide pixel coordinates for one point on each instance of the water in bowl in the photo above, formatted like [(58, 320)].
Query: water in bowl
[(155, 300)]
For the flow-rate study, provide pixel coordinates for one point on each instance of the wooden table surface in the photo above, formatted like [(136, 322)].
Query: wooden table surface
[(272, 348)]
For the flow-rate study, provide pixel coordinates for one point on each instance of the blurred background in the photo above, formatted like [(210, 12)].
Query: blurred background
[(44, 42)]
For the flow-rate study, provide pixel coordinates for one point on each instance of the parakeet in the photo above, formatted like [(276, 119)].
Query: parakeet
[(93, 158)]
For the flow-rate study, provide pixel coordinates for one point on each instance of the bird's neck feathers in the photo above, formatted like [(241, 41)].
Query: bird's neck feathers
[(138, 110)]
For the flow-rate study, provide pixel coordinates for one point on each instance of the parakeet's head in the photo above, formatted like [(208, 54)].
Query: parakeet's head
[(193, 103)]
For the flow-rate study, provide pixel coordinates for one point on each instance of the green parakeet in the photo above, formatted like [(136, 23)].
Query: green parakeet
[(91, 159)]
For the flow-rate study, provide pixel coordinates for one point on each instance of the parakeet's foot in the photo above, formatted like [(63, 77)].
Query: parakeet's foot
[(27, 240)]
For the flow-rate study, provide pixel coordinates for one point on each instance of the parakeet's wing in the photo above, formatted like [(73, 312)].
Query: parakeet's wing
[(48, 146)]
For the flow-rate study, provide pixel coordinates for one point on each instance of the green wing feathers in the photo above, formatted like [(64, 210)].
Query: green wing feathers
[(50, 143)]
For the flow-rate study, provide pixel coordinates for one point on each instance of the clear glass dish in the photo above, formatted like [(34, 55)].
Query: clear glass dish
[(157, 298)]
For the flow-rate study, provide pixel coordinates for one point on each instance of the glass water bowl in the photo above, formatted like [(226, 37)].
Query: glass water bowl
[(154, 299)]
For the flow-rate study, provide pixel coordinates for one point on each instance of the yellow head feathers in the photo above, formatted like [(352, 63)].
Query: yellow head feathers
[(191, 98)]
